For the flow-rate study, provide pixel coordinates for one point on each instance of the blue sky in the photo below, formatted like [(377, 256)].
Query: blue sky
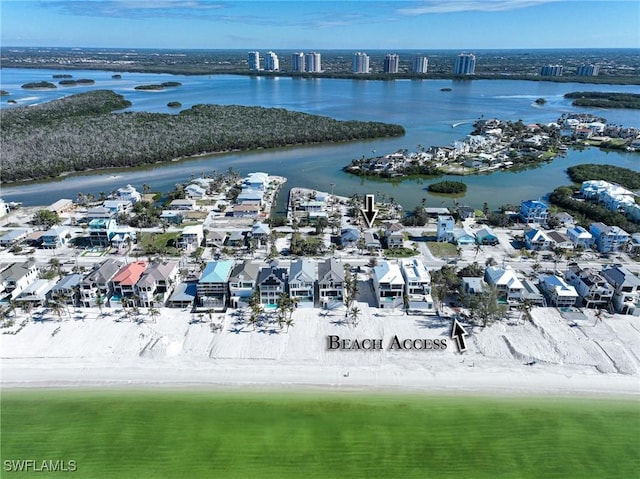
[(434, 24)]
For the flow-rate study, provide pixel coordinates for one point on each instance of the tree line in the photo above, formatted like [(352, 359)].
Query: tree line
[(82, 132), (613, 174)]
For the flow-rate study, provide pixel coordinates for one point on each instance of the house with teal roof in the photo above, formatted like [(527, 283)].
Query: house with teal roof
[(213, 285)]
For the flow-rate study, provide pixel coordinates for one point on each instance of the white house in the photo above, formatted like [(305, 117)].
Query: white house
[(559, 293), (129, 193), (537, 240), (302, 280), (446, 224), (580, 237), (330, 282), (388, 285), (626, 296), (593, 289), (191, 237), (507, 284), (417, 286)]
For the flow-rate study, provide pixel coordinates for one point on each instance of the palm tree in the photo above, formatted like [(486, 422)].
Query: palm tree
[(354, 313), (99, 301), (57, 308), (154, 313)]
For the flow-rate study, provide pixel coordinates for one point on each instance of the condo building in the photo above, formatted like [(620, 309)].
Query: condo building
[(465, 64), (297, 62), (420, 64), (588, 70), (360, 63), (551, 71), (391, 62), (271, 62), (313, 62), (254, 61)]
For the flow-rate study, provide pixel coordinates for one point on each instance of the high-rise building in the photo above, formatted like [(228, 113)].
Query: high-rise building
[(588, 70), (271, 62), (360, 63), (312, 61), (551, 71), (254, 61), (420, 64), (465, 64), (297, 62), (391, 62)]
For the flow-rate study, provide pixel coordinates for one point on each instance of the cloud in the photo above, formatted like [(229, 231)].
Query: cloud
[(136, 8), (450, 6)]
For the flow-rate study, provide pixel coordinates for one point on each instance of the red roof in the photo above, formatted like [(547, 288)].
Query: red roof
[(130, 274)]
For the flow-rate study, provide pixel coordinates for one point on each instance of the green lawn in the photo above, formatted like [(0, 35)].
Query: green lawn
[(152, 434), (441, 249), (153, 243)]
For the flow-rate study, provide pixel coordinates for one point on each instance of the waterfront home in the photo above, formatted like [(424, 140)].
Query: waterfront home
[(507, 284), (558, 292), (593, 289), (213, 285), (156, 283), (14, 236), (260, 231), (174, 217), (191, 237), (330, 282), (626, 286), (472, 285), (417, 282), (634, 244), (15, 278), (531, 293), (465, 212), (243, 282), (580, 237), (37, 294), (118, 207), (97, 284), (99, 213), (486, 237), (272, 282), (186, 204), (302, 280), (564, 218), (257, 180), (237, 239), (609, 239), (349, 237), (444, 232), (215, 239), (388, 285), (183, 296), (129, 193), (195, 192), (124, 282), (67, 289), (534, 211), (61, 206), (537, 240), (251, 196), (245, 210), (55, 237)]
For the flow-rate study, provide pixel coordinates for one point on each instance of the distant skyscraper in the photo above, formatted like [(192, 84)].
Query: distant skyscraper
[(465, 64), (254, 61), (297, 62), (360, 63), (271, 62), (588, 70), (391, 62), (551, 71), (420, 64), (312, 61)]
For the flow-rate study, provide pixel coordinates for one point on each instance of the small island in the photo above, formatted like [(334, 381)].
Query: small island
[(117, 76), (445, 89), (159, 86), (62, 75), (605, 99), (540, 101), (4, 93), (81, 81), (38, 85), (448, 187), (174, 104)]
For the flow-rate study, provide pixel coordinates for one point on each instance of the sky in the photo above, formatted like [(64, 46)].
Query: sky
[(320, 24)]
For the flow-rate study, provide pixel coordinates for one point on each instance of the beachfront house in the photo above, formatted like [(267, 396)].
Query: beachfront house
[(183, 296), (558, 292), (507, 284), (302, 280), (15, 278), (594, 290), (609, 239), (215, 239), (531, 293), (124, 283), (272, 282), (67, 290), (97, 284), (534, 211), (184, 204), (242, 283), (472, 285), (417, 282), (213, 285), (195, 191), (388, 285), (580, 237), (626, 286), (537, 240), (156, 283), (130, 194), (444, 232), (37, 294), (330, 282)]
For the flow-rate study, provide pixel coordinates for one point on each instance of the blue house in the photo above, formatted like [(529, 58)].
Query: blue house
[(534, 211), (349, 237)]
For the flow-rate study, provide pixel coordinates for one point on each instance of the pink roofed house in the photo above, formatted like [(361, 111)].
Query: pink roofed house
[(124, 282)]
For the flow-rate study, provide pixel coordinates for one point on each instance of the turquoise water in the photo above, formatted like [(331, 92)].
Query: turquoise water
[(430, 117)]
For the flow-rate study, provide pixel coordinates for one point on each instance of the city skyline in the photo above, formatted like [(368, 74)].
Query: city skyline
[(322, 25)]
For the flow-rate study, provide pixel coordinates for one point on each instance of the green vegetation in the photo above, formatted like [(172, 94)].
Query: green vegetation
[(541, 101), (4, 93), (202, 434), (605, 99), (80, 81), (614, 174), (441, 249), (587, 212), (46, 218), (79, 132), (62, 75), (41, 84), (174, 104), (400, 252), (159, 86), (448, 187), (158, 243)]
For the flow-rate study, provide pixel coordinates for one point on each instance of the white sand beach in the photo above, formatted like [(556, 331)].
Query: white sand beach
[(549, 355)]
